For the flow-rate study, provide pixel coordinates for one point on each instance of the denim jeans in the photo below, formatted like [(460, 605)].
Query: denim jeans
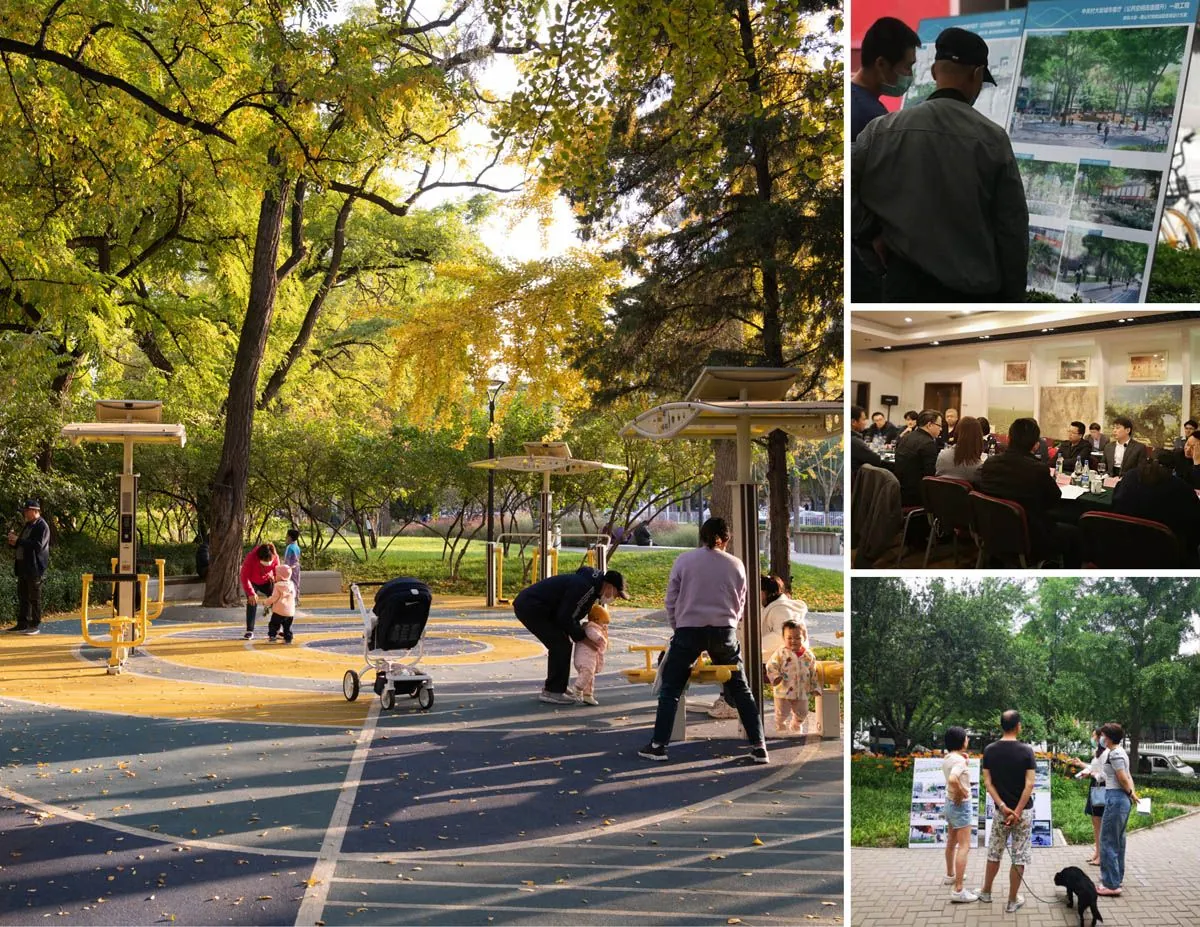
[(1112, 837), (686, 646)]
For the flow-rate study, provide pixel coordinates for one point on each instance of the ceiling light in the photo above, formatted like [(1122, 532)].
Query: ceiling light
[(907, 319), (887, 347), (935, 342), (984, 337), (1045, 329)]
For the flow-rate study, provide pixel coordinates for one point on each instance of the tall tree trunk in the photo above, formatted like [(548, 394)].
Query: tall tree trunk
[(228, 512), (780, 506), (772, 321), (724, 473)]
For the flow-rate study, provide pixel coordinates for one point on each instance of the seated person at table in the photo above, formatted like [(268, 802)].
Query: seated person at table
[(916, 456), (1150, 490), (1189, 428), (1187, 463), (1096, 437), (1017, 475), (881, 428), (950, 432), (1042, 452), (962, 462), (910, 422), (860, 451), (1122, 452), (1076, 447)]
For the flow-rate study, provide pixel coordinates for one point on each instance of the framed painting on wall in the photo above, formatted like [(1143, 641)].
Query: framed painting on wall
[(1073, 369), (1148, 367), (1016, 373)]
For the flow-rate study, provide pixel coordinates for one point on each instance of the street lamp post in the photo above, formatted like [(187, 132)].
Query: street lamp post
[(493, 594), (494, 387)]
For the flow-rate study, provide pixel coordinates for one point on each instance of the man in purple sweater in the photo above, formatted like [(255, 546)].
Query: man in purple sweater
[(705, 597)]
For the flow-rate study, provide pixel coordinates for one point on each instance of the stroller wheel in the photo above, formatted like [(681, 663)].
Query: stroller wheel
[(387, 699), (350, 685), (425, 698)]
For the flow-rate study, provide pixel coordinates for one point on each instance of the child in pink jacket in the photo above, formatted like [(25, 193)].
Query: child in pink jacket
[(282, 604), (590, 660)]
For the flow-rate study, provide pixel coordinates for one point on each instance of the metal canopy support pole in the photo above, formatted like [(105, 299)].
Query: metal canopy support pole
[(125, 595), (492, 592), (544, 529), (745, 548), (602, 556)]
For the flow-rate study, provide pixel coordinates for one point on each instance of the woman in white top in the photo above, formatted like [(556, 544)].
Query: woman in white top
[(1095, 773), (1120, 796), (963, 460), (961, 814), (778, 607)]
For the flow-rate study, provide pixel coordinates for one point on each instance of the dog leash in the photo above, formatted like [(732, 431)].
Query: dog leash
[(1035, 894)]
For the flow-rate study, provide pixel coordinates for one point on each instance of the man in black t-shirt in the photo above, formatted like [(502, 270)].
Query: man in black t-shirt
[(1009, 773)]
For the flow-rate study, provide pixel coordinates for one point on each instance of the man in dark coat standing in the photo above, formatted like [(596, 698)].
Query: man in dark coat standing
[(31, 557), (555, 610)]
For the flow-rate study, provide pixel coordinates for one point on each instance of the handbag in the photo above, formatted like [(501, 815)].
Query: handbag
[(1096, 796)]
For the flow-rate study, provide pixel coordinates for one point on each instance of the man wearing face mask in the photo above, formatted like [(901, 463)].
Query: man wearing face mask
[(935, 191), (555, 610), (889, 50)]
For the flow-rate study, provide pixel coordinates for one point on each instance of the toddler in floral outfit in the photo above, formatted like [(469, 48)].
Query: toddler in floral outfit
[(590, 660), (792, 672)]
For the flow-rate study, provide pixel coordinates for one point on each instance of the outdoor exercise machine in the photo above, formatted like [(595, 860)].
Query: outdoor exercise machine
[(547, 458), (741, 403), (128, 422)]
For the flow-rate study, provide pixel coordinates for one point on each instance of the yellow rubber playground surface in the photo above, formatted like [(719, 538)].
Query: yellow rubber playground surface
[(220, 780)]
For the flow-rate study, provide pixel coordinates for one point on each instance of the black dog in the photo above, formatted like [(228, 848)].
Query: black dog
[(1077, 883)]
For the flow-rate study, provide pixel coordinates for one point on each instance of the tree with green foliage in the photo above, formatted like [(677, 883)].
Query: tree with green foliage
[(708, 154)]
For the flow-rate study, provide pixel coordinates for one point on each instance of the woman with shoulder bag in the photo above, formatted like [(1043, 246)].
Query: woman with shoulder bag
[(1093, 805)]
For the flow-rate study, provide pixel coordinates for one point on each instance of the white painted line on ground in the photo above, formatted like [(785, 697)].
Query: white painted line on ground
[(317, 892), (626, 889), (571, 915)]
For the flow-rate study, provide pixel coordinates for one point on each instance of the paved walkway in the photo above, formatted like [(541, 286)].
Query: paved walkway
[(223, 781), (1162, 885)]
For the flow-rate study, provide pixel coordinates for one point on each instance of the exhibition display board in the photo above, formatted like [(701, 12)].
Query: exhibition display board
[(927, 818), (1002, 31), (1091, 100)]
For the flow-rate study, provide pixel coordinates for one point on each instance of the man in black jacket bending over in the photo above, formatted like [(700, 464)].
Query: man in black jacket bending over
[(555, 610)]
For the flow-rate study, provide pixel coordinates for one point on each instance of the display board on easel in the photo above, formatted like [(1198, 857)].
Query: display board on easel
[(927, 814)]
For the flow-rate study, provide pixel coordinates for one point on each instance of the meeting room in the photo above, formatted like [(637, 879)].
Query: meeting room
[(1024, 439)]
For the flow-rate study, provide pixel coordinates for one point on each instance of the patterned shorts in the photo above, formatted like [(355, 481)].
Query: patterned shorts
[(1021, 833)]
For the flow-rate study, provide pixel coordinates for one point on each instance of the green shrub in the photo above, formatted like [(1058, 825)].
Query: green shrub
[(1175, 277)]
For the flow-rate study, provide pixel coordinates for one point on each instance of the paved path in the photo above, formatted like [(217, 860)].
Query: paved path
[(220, 781), (903, 887)]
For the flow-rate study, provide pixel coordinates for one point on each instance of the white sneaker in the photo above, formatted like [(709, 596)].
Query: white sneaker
[(966, 896), (948, 880), (557, 698), (1014, 906), (588, 699), (985, 897), (722, 710)]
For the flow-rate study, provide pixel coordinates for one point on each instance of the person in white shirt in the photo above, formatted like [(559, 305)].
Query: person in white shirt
[(961, 814), (1122, 453), (1095, 773)]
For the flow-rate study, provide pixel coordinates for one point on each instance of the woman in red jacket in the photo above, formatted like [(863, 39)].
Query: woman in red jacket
[(257, 578)]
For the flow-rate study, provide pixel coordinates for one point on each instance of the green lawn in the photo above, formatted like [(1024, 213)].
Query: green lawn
[(646, 570), (880, 794)]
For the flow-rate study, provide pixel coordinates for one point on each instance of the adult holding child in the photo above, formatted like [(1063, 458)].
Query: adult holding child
[(555, 611), (257, 578)]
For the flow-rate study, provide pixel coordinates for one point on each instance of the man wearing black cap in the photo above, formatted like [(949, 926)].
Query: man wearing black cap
[(31, 557), (555, 610), (935, 190)]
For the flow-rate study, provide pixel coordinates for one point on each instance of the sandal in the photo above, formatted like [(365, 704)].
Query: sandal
[(1105, 890)]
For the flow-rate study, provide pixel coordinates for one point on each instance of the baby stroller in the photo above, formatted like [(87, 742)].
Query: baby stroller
[(396, 623)]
